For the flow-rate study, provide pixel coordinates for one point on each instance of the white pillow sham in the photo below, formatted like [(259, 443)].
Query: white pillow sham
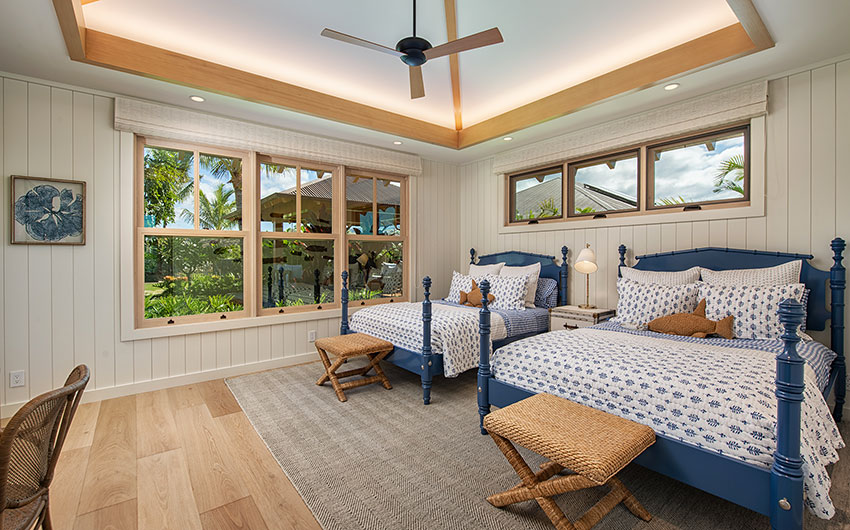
[(532, 272), (661, 277), (640, 303), (784, 274), (509, 291), (460, 282), (477, 271), (756, 309)]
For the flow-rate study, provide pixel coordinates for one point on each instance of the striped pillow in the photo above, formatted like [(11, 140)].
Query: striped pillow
[(661, 277), (547, 293)]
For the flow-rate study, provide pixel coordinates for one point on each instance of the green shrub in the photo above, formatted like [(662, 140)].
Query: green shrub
[(180, 305)]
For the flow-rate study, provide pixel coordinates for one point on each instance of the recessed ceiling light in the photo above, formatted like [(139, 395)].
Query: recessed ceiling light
[(508, 138), (197, 99), (397, 142), (671, 86)]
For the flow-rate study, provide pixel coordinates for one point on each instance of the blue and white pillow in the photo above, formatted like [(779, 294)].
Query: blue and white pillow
[(641, 303), (509, 291), (547, 293), (756, 309), (460, 282), (663, 277), (783, 274)]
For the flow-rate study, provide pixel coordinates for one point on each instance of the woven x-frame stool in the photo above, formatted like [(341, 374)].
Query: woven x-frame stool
[(593, 444), (345, 347)]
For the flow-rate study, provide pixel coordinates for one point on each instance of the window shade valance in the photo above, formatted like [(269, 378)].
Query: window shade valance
[(713, 110), (151, 119)]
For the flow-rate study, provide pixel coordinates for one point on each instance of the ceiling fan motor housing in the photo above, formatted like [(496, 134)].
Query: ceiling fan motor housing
[(413, 49)]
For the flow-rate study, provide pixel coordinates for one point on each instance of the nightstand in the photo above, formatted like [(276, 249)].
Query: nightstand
[(573, 317)]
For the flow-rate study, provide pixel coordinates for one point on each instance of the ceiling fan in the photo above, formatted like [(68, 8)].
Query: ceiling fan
[(415, 51)]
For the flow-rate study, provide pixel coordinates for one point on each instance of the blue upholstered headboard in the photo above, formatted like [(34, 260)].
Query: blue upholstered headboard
[(728, 258), (548, 267)]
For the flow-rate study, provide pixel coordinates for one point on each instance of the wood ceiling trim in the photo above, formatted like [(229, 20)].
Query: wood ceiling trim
[(73, 26), (454, 63), (110, 51), (720, 46)]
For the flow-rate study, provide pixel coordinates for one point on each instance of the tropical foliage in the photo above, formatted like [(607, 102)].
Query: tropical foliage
[(730, 175), (168, 180), (215, 214), (546, 208)]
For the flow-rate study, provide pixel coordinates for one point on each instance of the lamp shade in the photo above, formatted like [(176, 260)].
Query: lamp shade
[(586, 261)]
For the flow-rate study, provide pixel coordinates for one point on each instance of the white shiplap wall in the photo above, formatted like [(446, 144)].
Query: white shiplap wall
[(60, 305), (807, 204)]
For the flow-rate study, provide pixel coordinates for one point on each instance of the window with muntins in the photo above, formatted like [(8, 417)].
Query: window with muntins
[(222, 234)]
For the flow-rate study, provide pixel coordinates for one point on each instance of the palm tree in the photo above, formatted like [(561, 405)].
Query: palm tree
[(168, 180), (221, 167), (213, 214), (730, 175)]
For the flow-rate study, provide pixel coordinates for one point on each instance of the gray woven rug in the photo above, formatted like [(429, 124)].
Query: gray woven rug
[(382, 460)]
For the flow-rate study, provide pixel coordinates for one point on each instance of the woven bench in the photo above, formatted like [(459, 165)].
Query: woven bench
[(594, 445), (345, 347)]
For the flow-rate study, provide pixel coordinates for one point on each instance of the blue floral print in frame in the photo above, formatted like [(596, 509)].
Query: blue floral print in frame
[(48, 211)]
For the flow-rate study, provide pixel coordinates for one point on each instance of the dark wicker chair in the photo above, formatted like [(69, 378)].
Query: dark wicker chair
[(29, 449)]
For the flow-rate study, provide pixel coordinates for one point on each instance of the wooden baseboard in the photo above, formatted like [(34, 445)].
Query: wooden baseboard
[(9, 409)]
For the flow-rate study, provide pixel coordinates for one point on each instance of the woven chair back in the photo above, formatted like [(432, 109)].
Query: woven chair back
[(31, 442)]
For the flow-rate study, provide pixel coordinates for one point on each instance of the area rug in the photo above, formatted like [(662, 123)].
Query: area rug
[(382, 460)]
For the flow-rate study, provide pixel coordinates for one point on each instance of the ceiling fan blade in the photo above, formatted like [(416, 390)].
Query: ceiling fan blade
[(417, 86), (478, 40), (359, 42)]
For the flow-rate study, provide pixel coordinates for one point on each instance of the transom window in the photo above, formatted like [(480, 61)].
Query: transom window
[(604, 185), (218, 237), (536, 195)]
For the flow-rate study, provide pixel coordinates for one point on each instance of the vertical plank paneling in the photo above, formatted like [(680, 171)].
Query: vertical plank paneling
[(208, 351), (799, 162), (124, 353), (237, 347), (736, 233), (251, 341), (699, 234), (16, 272), (177, 355), (279, 348), (40, 292), (776, 186), (222, 349), (4, 229), (62, 277), (823, 163), (142, 360), (193, 353), (264, 343), (159, 357), (842, 152)]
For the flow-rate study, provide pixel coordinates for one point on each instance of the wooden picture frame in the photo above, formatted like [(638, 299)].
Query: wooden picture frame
[(47, 211)]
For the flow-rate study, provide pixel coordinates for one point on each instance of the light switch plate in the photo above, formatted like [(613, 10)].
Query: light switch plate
[(311, 335), (17, 378)]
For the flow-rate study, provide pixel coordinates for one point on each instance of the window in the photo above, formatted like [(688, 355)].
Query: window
[(536, 195), (706, 169), (298, 237), (376, 236), (604, 185), (219, 237), (191, 240)]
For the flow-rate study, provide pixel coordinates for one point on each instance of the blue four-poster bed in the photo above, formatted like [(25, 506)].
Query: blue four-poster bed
[(424, 361), (774, 490)]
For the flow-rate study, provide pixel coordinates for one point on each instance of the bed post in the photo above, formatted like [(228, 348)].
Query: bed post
[(786, 475), (343, 293), (565, 270), (622, 250), (837, 285), (426, 342), (472, 256), (484, 355)]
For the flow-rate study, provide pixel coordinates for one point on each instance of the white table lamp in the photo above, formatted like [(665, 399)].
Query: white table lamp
[(586, 264)]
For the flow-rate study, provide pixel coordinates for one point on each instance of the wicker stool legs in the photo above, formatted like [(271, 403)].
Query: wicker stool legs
[(541, 486), (333, 376)]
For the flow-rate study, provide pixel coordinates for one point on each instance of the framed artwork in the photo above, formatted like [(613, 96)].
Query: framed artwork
[(48, 211)]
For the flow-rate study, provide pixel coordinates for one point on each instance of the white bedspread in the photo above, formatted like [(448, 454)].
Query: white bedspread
[(454, 330), (715, 397)]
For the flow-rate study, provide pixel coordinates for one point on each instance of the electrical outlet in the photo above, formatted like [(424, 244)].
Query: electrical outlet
[(311, 335), (17, 378)]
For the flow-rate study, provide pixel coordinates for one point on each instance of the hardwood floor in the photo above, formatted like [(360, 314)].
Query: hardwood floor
[(182, 458)]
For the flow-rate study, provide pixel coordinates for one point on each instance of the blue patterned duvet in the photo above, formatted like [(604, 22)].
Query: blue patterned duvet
[(712, 393)]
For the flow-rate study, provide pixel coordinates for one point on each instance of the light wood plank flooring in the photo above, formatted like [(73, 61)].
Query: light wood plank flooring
[(182, 458)]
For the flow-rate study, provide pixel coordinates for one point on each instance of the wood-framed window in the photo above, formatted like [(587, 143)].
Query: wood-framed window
[(223, 234), (536, 195), (376, 237), (706, 169), (191, 241), (604, 185)]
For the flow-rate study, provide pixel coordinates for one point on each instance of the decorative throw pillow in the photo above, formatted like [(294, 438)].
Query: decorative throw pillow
[(756, 309), (783, 274), (640, 303), (460, 282), (509, 291), (661, 277), (693, 324), (477, 271), (473, 297), (547, 293), (531, 272)]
